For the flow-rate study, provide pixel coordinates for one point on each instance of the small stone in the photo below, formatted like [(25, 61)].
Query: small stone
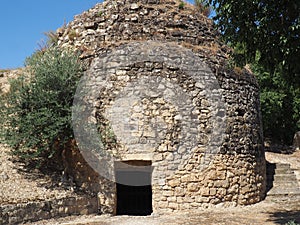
[(89, 25), (3, 176), (61, 210), (115, 17), (173, 205), (134, 18), (178, 117), (168, 193), (134, 6), (221, 183), (205, 191), (221, 191), (233, 189), (212, 191), (120, 72), (192, 187), (162, 204), (170, 157), (185, 178), (174, 183), (84, 212), (171, 199), (159, 101), (199, 85), (158, 157), (179, 191)]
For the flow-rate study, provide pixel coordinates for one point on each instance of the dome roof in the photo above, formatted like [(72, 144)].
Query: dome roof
[(112, 23)]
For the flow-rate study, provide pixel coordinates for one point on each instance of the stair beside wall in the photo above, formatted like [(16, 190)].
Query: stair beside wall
[(281, 180)]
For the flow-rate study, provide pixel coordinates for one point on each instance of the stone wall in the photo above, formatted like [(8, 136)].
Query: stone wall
[(34, 211), (204, 139)]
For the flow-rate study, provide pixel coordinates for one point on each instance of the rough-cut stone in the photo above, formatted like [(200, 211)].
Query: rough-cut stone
[(34, 211), (192, 187)]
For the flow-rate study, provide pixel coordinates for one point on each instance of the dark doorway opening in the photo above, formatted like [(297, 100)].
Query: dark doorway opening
[(134, 190)]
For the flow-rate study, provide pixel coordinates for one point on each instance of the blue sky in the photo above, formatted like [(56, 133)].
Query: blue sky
[(23, 23)]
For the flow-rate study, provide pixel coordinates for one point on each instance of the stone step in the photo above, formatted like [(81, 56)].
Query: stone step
[(282, 181), (283, 171), (286, 189), (285, 184), (282, 192), (282, 166), (283, 178)]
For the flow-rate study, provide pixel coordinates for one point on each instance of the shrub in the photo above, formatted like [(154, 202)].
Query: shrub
[(36, 113), (292, 222), (72, 35), (181, 5)]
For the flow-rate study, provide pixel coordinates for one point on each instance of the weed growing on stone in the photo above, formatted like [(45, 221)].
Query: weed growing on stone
[(181, 5)]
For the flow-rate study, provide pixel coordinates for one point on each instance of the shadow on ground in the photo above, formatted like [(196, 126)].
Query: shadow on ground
[(284, 217)]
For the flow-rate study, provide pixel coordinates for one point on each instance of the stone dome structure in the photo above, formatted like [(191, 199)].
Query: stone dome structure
[(179, 128)]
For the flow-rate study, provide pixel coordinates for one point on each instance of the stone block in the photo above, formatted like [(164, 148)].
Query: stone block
[(184, 206), (233, 189), (221, 183), (162, 204), (215, 201), (202, 199), (212, 191), (221, 191), (173, 205), (179, 191), (204, 191), (185, 178), (168, 193), (174, 183), (193, 187), (171, 199), (84, 212), (179, 199), (244, 190), (221, 175)]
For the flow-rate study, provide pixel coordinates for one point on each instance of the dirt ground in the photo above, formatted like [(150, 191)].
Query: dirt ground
[(270, 211), (18, 186)]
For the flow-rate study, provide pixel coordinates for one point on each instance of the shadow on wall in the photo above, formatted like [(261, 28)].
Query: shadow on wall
[(270, 175), (285, 217)]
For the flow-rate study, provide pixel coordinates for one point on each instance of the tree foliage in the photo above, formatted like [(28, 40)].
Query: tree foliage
[(267, 34), (36, 113), (279, 104), (270, 27)]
